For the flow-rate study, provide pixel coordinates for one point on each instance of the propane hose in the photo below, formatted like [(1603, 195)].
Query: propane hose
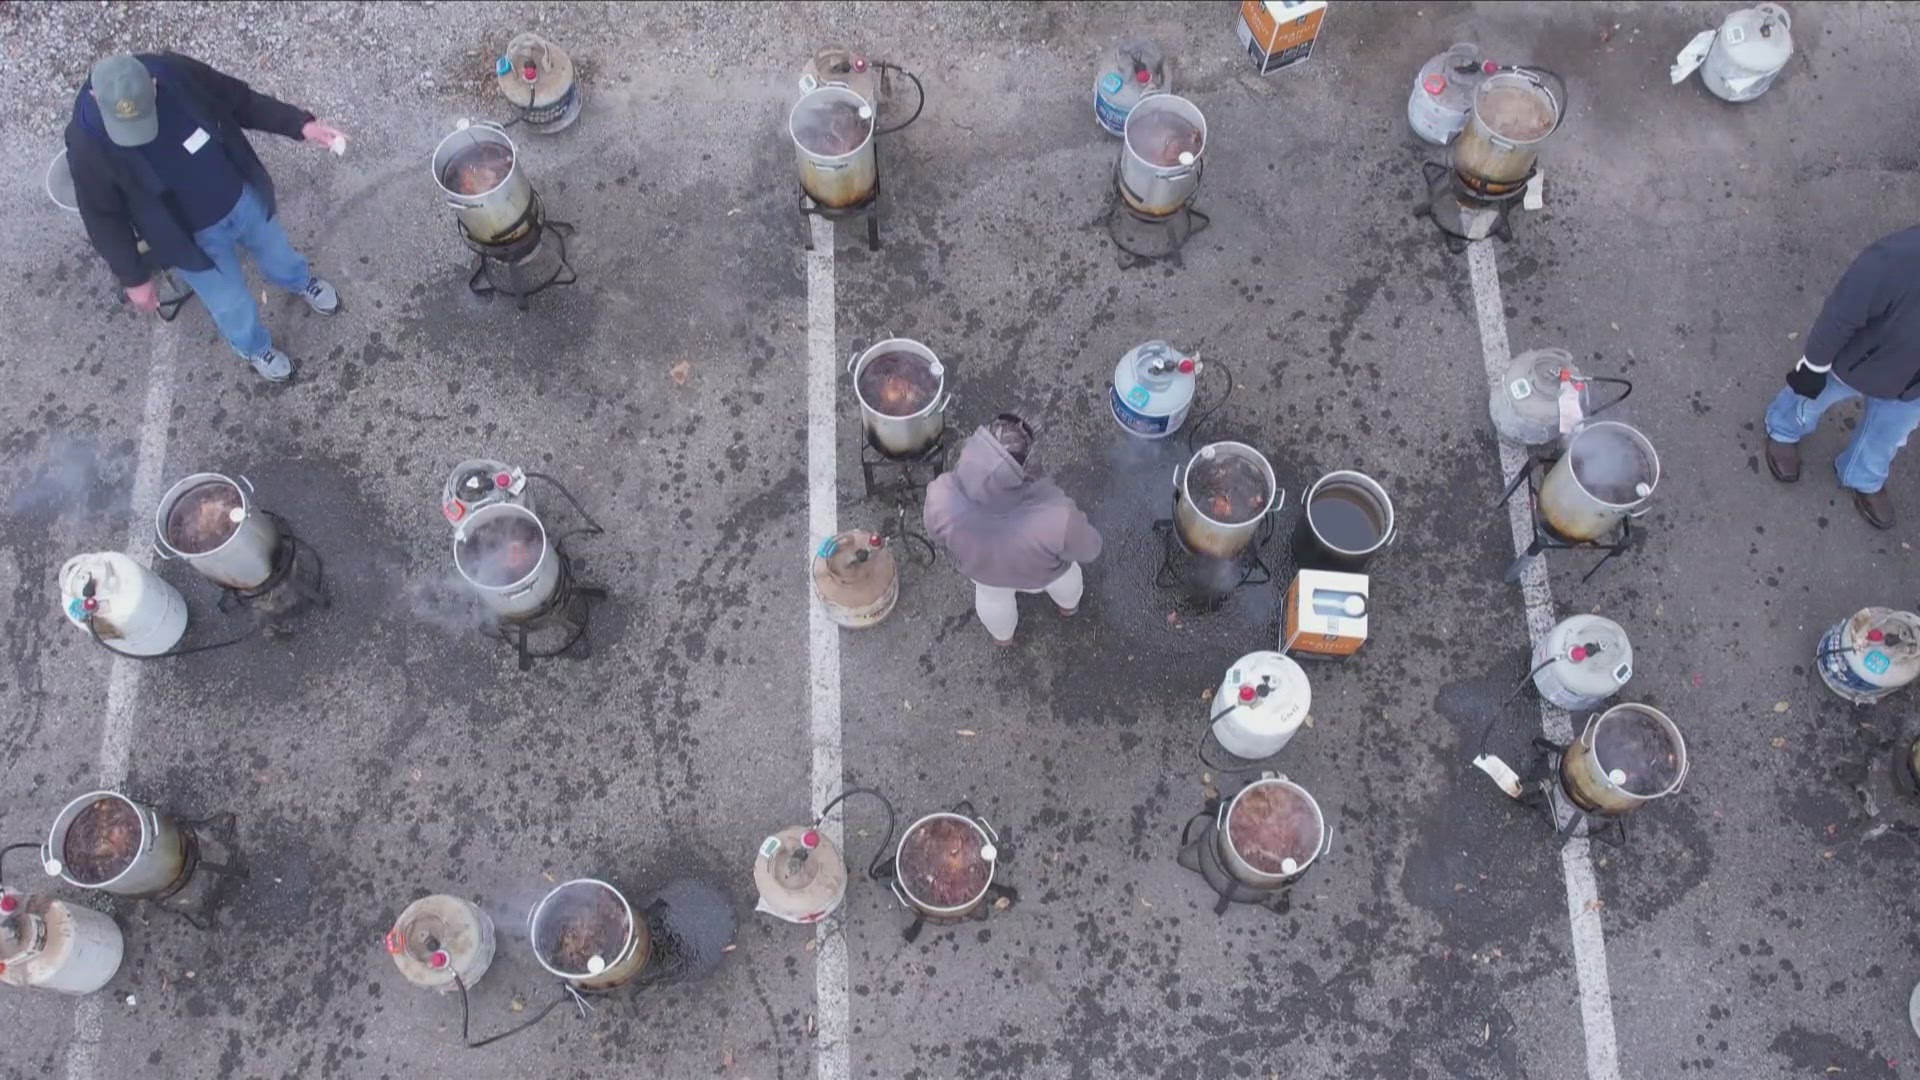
[(918, 105), (16, 847), (1200, 749), (466, 1012), (1193, 431), (880, 856)]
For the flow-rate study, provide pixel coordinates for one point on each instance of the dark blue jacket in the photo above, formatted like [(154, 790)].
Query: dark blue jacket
[(122, 201), (1869, 328)]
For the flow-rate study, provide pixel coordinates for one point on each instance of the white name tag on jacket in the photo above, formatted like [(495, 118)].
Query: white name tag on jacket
[(195, 141)]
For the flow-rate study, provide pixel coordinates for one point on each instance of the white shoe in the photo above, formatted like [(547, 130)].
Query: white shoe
[(321, 297), (272, 364)]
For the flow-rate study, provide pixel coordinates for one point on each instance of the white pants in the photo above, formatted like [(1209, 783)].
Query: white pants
[(999, 612)]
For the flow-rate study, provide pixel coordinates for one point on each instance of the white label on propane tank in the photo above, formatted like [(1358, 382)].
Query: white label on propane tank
[(769, 847)]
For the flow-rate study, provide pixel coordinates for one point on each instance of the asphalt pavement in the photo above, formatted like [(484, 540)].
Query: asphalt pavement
[(1754, 923)]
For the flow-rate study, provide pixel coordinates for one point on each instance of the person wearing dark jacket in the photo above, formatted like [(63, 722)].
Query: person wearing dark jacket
[(1007, 530), (158, 150), (1865, 344)]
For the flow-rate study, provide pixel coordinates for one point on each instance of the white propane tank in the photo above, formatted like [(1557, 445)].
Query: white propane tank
[(1153, 387), (1442, 95), (1582, 661), (57, 946), (1870, 654), (1751, 47), (133, 609), (438, 937), (1260, 704), (1526, 405), (800, 874)]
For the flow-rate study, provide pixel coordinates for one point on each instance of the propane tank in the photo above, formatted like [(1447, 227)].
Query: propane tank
[(438, 937), (57, 946), (1750, 48), (1152, 389), (1134, 70), (1582, 661), (1260, 704), (1870, 654), (1527, 405), (856, 578), (1442, 97), (846, 67), (537, 77), (479, 482), (132, 608), (800, 875)]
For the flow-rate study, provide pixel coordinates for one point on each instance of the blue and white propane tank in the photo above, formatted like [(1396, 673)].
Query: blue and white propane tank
[(1870, 654), (1152, 389)]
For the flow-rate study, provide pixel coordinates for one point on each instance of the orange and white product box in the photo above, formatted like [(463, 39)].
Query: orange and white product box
[(1326, 615), (1279, 33)]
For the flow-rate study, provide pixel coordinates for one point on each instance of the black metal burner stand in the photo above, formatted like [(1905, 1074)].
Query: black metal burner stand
[(196, 910), (298, 580), (511, 268), (1201, 854), (1136, 233), (1540, 787), (1464, 214), (1183, 568), (1545, 539), (905, 480), (571, 608), (868, 208)]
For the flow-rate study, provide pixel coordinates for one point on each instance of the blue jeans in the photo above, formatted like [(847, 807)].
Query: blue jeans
[(224, 288), (1883, 430)]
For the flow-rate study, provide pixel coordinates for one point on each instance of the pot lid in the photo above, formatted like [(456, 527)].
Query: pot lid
[(1272, 690)]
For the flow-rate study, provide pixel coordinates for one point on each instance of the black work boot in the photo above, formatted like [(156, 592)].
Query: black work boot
[(1876, 507), (1783, 460)]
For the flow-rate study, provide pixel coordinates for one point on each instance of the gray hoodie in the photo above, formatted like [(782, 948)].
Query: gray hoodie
[(1001, 527)]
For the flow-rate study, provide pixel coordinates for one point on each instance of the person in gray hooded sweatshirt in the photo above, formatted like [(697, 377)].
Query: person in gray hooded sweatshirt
[(1008, 531)]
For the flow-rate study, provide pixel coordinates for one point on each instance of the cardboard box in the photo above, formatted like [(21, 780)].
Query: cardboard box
[(1279, 33), (1326, 615)]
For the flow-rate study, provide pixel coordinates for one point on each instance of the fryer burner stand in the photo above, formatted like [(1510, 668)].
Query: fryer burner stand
[(1175, 556), (1541, 788), (907, 487), (868, 207), (296, 566), (1176, 228), (508, 259), (1545, 539), (221, 826), (1463, 214), (1201, 854), (571, 607)]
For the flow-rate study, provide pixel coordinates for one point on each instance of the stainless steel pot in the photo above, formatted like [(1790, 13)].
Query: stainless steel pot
[(245, 560), (626, 962), (1202, 534), (902, 436), (1514, 111), (1238, 863), (1153, 189), (989, 851), (499, 214), (159, 862), (831, 176), (523, 596), (1312, 550), (1608, 473), (1624, 758)]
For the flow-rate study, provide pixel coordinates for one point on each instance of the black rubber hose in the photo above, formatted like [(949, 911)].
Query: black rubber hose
[(880, 856), (920, 90), (1193, 430), (466, 1013)]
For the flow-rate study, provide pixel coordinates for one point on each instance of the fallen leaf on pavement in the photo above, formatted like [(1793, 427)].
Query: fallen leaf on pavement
[(1778, 742), (969, 732), (679, 372), (1779, 706)]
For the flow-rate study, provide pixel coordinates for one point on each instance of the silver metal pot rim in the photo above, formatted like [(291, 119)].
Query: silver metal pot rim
[(189, 483), (1666, 724), (1275, 498), (1319, 815), (57, 835), (1511, 78), (495, 509), (935, 404), (989, 849), (836, 89), (1167, 172), (539, 954), (435, 164), (1365, 483), (1639, 439)]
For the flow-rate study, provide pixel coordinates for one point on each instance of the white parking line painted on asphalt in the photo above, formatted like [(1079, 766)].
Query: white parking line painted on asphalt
[(1576, 858), (832, 1060), (123, 679)]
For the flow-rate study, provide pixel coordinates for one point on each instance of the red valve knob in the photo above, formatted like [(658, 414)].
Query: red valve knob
[(877, 541), (1876, 634), (1187, 365), (1578, 654), (1246, 693), (503, 480), (1433, 84), (1144, 76), (810, 839), (530, 73), (439, 959), (1489, 67), (9, 903), (90, 604)]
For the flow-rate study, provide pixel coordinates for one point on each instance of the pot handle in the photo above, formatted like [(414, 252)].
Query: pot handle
[(899, 894), (242, 477), (1586, 733), (160, 553), (1279, 500), (149, 829), (1178, 470), (1326, 842), (852, 360), (991, 835)]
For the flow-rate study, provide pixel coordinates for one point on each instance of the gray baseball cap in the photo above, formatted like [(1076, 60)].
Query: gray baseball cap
[(124, 90)]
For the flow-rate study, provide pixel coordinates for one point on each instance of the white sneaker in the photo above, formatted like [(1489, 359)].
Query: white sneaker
[(272, 364), (321, 297)]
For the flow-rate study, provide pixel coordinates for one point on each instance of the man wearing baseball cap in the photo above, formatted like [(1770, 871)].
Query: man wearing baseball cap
[(158, 151)]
